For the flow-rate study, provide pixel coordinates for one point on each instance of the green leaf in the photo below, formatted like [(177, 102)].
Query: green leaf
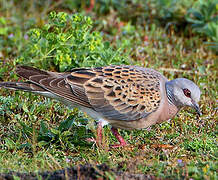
[(55, 131), (66, 124), (3, 31), (43, 128), (25, 108), (3, 21), (26, 129)]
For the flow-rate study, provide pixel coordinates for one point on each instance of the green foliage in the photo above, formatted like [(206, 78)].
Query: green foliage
[(104, 6), (5, 104), (4, 28), (172, 10), (204, 18), (8, 107), (8, 37), (61, 136), (202, 170), (204, 144), (203, 15), (68, 41)]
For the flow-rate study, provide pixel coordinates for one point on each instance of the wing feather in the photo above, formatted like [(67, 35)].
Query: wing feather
[(116, 92), (119, 92)]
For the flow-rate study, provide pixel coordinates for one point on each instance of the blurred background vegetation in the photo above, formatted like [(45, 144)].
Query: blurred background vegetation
[(113, 20), (177, 37)]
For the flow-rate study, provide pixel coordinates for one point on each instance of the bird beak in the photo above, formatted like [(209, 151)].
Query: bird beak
[(196, 107)]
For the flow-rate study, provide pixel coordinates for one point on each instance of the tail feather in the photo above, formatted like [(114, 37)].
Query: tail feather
[(27, 71), (49, 84), (25, 86)]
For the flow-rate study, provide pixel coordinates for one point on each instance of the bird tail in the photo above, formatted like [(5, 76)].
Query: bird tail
[(26, 72), (24, 86), (49, 84)]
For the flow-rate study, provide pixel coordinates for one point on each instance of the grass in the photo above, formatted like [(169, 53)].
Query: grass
[(38, 134)]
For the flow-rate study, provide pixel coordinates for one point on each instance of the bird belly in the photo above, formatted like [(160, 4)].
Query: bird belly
[(134, 124), (95, 115)]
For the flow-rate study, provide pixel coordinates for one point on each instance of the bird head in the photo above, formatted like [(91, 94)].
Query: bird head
[(185, 93)]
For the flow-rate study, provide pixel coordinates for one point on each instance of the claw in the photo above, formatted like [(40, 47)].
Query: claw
[(119, 138), (98, 139)]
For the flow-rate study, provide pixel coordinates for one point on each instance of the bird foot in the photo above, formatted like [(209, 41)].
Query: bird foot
[(91, 140), (98, 140), (119, 138), (95, 141)]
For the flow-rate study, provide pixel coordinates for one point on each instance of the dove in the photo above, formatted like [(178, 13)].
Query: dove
[(125, 97)]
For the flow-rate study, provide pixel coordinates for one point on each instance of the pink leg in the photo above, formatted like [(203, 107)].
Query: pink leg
[(99, 134), (119, 138), (98, 139)]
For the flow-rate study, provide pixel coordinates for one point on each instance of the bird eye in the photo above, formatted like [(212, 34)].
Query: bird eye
[(187, 93)]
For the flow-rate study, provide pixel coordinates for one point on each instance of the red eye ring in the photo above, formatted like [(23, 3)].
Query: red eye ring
[(187, 92)]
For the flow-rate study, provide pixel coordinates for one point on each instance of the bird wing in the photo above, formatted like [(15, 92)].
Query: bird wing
[(118, 92)]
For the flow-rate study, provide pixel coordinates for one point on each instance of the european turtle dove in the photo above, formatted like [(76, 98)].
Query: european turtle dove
[(126, 97)]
